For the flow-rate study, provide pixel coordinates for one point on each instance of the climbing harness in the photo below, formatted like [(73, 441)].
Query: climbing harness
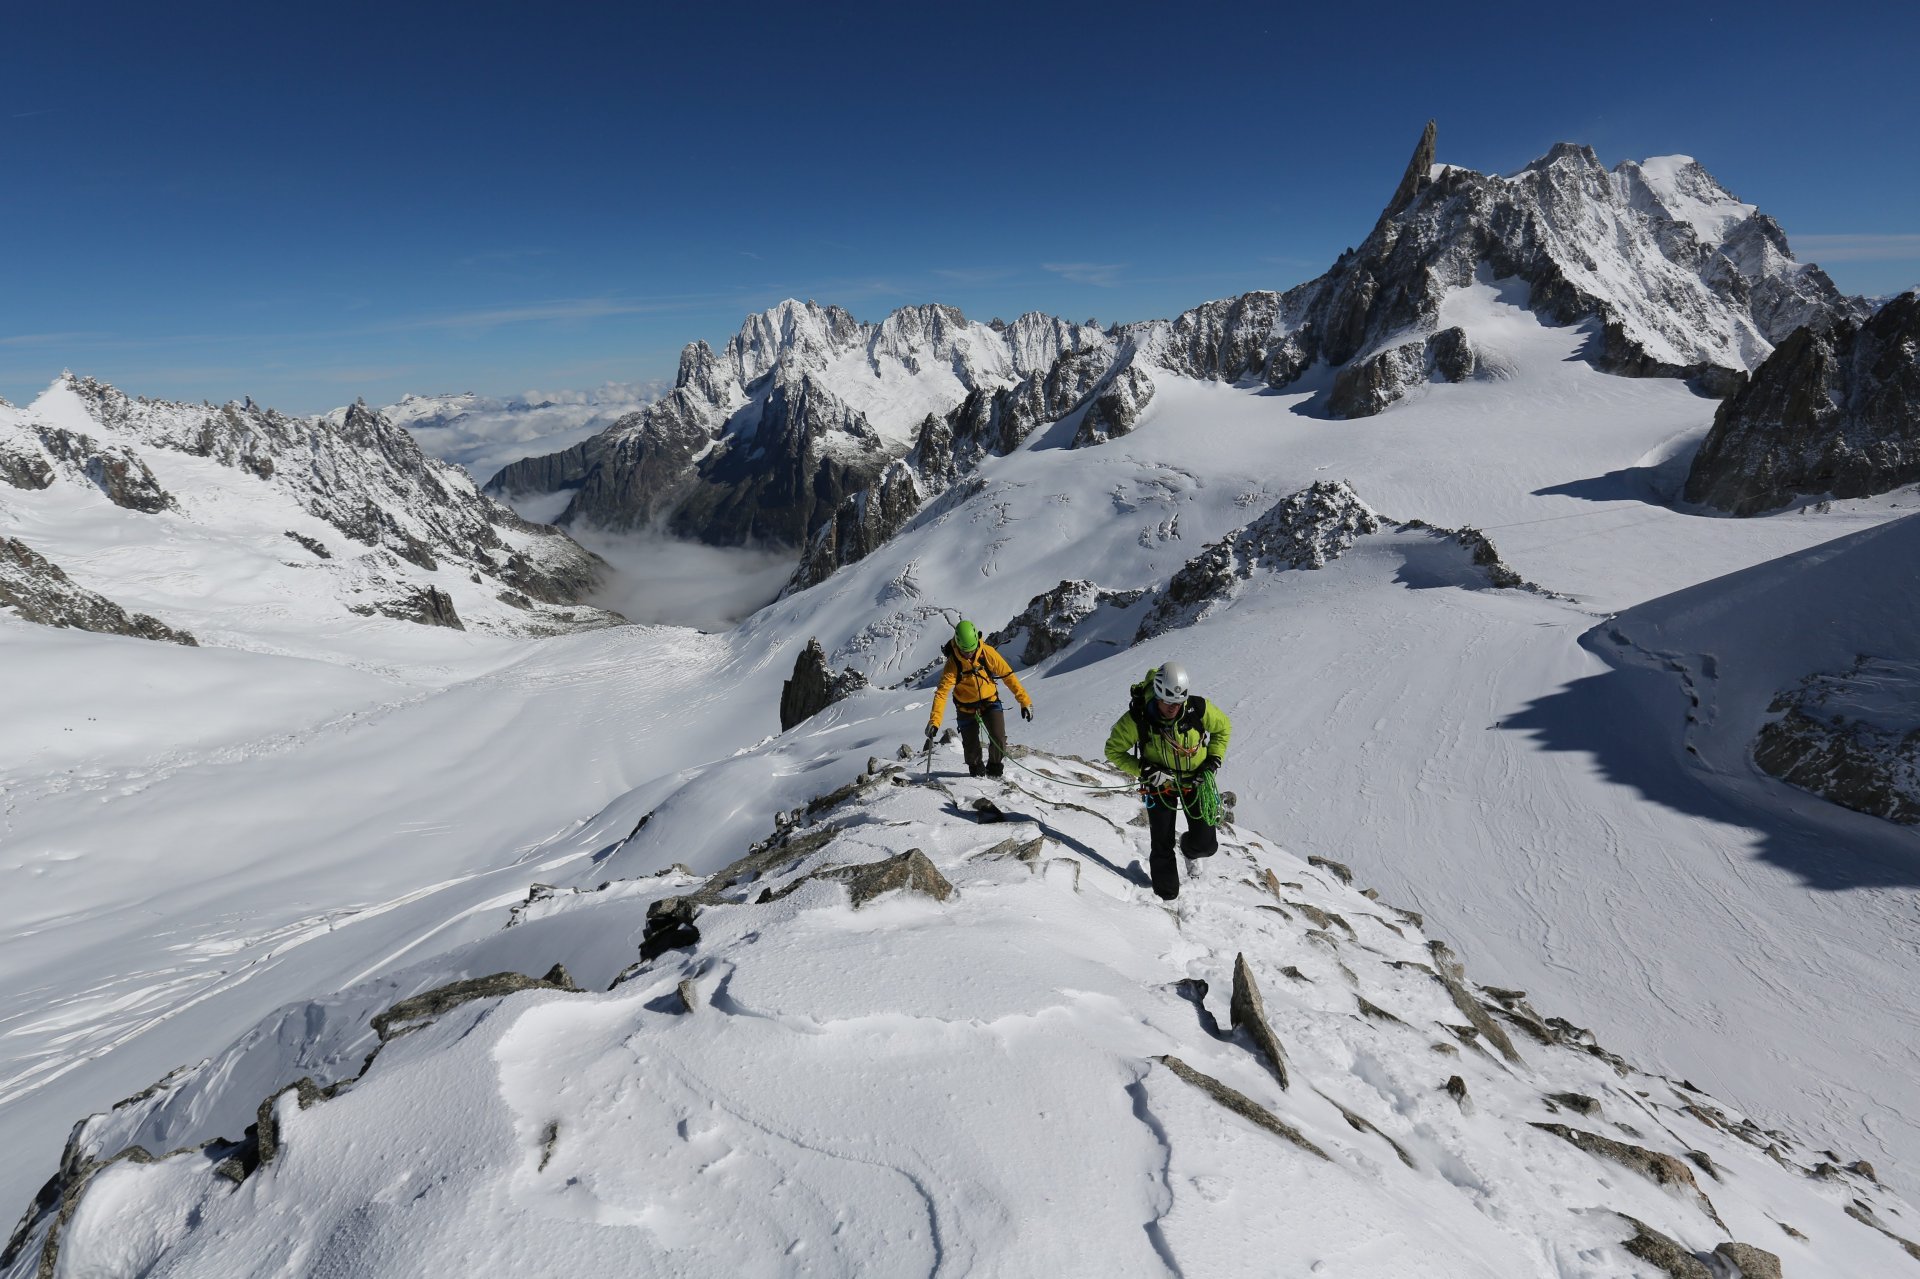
[(1206, 798), (1007, 756)]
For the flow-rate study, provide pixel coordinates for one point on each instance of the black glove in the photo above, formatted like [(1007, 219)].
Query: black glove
[(1213, 764), (933, 731), (1026, 713)]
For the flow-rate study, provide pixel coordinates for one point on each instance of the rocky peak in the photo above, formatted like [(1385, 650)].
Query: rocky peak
[(1418, 175), (803, 332), (1679, 188), (1831, 413), (702, 374)]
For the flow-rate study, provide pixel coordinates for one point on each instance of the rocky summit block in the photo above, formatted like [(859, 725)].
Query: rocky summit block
[(1833, 412)]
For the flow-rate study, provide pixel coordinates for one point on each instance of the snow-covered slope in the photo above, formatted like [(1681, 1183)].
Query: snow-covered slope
[(1812, 661), (483, 433), (247, 528), (898, 1037)]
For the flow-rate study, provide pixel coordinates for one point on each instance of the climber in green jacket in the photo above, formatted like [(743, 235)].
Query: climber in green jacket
[(1171, 740)]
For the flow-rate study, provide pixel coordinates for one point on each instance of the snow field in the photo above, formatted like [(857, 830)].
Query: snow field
[(968, 1086)]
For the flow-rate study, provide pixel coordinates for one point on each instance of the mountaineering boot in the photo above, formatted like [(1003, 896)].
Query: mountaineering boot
[(976, 770), (995, 769)]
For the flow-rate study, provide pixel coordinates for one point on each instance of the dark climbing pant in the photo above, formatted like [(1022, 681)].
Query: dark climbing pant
[(996, 717), (1200, 839)]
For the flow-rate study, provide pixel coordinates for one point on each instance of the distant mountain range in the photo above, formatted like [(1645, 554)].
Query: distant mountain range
[(813, 430)]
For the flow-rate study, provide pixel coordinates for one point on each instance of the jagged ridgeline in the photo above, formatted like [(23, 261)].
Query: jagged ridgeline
[(358, 518), (814, 431), (885, 1041)]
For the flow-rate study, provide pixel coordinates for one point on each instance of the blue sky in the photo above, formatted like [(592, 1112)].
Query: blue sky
[(309, 203)]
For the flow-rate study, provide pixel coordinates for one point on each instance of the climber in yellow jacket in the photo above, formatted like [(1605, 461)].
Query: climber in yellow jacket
[(1171, 740), (972, 667)]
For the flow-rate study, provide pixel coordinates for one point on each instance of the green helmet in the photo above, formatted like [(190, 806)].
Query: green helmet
[(966, 637)]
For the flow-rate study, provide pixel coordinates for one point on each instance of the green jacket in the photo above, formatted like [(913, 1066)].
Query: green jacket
[(1180, 745)]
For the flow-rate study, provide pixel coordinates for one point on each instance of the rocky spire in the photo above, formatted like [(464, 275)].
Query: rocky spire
[(1417, 177)]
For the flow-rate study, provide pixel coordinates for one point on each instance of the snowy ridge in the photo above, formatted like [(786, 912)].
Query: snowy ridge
[(247, 527), (483, 433), (804, 407), (799, 1072)]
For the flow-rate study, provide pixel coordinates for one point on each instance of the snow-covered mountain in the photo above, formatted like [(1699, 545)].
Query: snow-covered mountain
[(804, 406), (237, 523), (485, 433), (812, 429), (225, 862)]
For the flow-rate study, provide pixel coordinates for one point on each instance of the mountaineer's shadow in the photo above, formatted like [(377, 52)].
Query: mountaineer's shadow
[(1626, 720)]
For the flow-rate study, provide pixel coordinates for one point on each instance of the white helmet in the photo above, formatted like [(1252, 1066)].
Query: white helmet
[(1170, 683)]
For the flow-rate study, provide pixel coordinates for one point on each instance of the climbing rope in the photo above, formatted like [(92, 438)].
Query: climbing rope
[(1006, 755), (1206, 792)]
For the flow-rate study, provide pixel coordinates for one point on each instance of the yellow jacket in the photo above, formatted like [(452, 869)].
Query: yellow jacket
[(969, 677)]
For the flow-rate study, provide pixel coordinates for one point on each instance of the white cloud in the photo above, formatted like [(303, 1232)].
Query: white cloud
[(1103, 274)]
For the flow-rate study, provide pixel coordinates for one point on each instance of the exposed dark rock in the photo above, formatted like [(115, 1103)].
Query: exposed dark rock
[(417, 1010), (115, 469), (38, 590), (1865, 1215), (1451, 354), (23, 468), (1456, 1086), (1669, 1254), (1339, 870), (670, 925), (1370, 1009), (909, 870), (1852, 738), (861, 524), (1366, 386), (1360, 1123), (814, 686), (1449, 972), (1657, 1166), (311, 544), (1249, 1012), (1241, 1104), (425, 605), (1750, 1262), (1418, 176), (1834, 412), (1116, 407), (1307, 530), (1579, 1103)]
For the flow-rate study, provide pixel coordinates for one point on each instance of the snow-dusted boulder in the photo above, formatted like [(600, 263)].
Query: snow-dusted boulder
[(1309, 529), (1051, 619)]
